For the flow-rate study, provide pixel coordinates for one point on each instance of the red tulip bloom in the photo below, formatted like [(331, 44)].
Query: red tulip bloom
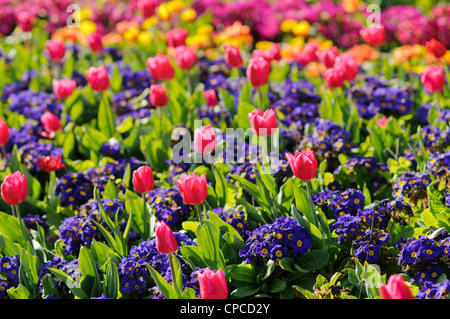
[(165, 241), (98, 78), (176, 37), (308, 54), (160, 67), (210, 97), (14, 188), (158, 96), (51, 122), (328, 56), (205, 139), (374, 35), (346, 64), (63, 88), (50, 163), (258, 71), (25, 21), (148, 7), (436, 48), (233, 56), (185, 57), (193, 188), (433, 78), (55, 49), (333, 78), (143, 181), (263, 123), (4, 133), (213, 284), (303, 164), (95, 42), (395, 289), (272, 54)]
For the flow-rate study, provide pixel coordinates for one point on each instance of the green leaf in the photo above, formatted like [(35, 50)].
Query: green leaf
[(243, 273), (193, 256), (106, 123), (277, 285), (70, 283), (313, 260), (221, 184), (90, 280), (112, 281), (166, 289), (20, 292), (48, 286), (9, 227), (246, 291), (208, 238)]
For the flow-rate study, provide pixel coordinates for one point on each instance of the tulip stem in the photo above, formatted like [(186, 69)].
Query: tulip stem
[(146, 218), (188, 84), (160, 122), (199, 213), (172, 271), (260, 99), (311, 204)]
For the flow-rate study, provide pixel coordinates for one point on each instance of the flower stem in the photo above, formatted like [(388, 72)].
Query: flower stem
[(311, 204), (146, 219), (199, 213), (172, 270), (188, 84)]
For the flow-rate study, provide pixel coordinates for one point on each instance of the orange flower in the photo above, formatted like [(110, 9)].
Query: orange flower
[(111, 38), (406, 52), (363, 52), (67, 34), (315, 68), (124, 26), (350, 6)]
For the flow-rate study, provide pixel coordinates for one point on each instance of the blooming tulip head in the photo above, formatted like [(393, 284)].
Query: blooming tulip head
[(95, 41), (433, 78), (233, 56), (25, 21), (50, 163), (165, 241), (193, 188), (160, 67), (303, 164), (258, 71), (205, 139), (98, 78), (346, 64), (333, 78), (148, 7), (213, 284), (328, 56), (63, 88), (263, 123), (158, 96), (436, 48), (374, 35), (51, 122), (176, 37), (14, 188), (4, 133), (55, 49), (143, 181), (185, 57), (395, 289), (210, 97)]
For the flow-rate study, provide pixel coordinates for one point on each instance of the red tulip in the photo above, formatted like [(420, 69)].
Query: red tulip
[(185, 57), (4, 133), (436, 48), (382, 122), (158, 96), (14, 188), (374, 35), (63, 88), (165, 241), (193, 188), (263, 123), (272, 54), (395, 289), (95, 41), (258, 71), (176, 37), (160, 67), (55, 50), (205, 139), (328, 56), (346, 64), (333, 78), (308, 54), (303, 164), (98, 78), (51, 122), (233, 56), (213, 284), (433, 78), (148, 7), (50, 163), (143, 181), (25, 21), (210, 97)]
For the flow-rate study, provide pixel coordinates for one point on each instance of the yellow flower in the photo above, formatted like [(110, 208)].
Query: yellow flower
[(287, 25), (188, 15), (85, 13), (205, 29), (144, 37), (131, 34), (163, 11), (263, 45), (326, 44), (446, 57), (350, 5), (87, 27), (298, 41), (301, 29), (149, 22)]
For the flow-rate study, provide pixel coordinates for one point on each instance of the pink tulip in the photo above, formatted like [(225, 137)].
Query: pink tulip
[(14, 188), (95, 42), (25, 21), (51, 122), (328, 56), (185, 57), (374, 35), (160, 67), (50, 163), (158, 96), (4, 133), (333, 78), (142, 180), (263, 123), (165, 241), (308, 54), (176, 37), (433, 78), (210, 97), (213, 284), (193, 188), (395, 289), (382, 122), (436, 48), (258, 71), (303, 164), (148, 7), (233, 56), (63, 88), (346, 64), (55, 49), (98, 78), (205, 139)]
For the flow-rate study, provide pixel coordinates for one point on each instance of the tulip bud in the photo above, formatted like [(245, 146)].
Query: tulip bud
[(55, 49), (185, 57), (382, 122), (165, 241), (98, 78), (205, 139), (433, 78), (193, 188), (4, 133), (233, 56), (50, 163), (160, 67), (303, 164), (333, 78), (63, 88), (395, 289), (374, 35), (258, 71), (51, 122), (25, 21), (95, 42), (436, 48), (143, 181), (328, 56), (211, 97), (158, 96), (213, 284), (263, 123), (148, 7), (14, 188), (176, 37)]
